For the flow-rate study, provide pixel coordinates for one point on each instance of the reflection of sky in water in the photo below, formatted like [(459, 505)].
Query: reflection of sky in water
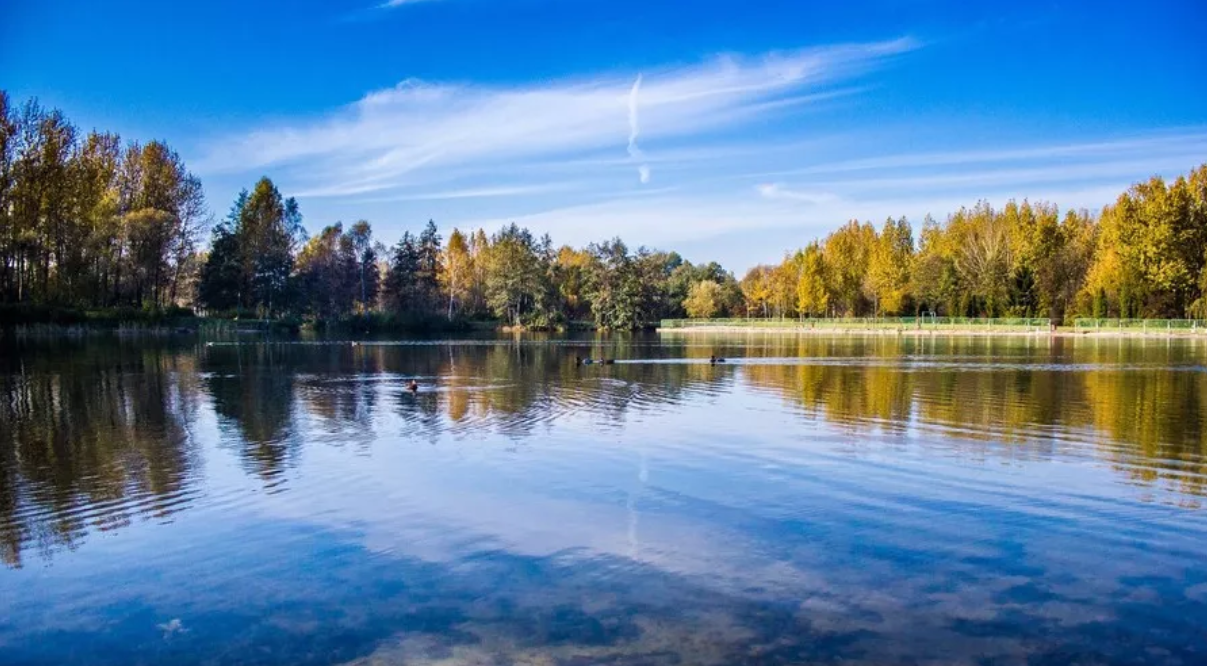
[(627, 516)]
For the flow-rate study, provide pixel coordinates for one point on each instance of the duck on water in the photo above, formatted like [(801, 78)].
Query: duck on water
[(578, 360)]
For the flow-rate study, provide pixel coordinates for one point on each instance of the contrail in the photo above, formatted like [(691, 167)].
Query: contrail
[(643, 171), (634, 130)]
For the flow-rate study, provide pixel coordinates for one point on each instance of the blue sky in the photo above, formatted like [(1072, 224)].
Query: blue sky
[(725, 130)]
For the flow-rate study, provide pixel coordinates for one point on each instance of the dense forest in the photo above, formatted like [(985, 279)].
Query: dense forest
[(1143, 256), (88, 222), (260, 261)]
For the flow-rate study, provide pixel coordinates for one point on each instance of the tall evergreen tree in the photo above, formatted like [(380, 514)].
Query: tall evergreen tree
[(403, 291)]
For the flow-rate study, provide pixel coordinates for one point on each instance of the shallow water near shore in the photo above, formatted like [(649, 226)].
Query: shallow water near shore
[(814, 499)]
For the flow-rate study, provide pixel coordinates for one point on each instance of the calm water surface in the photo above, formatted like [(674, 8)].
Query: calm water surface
[(816, 500)]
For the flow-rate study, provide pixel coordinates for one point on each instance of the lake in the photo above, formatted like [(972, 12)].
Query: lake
[(855, 500)]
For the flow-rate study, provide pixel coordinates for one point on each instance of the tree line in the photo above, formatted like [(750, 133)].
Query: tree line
[(90, 222), (1143, 256), (260, 261)]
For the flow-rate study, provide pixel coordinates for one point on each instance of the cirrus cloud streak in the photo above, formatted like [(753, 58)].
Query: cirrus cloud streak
[(413, 131)]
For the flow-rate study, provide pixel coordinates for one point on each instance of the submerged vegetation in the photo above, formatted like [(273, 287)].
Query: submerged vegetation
[(92, 229)]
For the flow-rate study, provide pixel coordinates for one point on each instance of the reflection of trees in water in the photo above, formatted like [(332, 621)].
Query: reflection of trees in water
[(252, 389), (91, 437), (339, 392), (1155, 423), (518, 390), (1016, 396), (512, 389), (1147, 420)]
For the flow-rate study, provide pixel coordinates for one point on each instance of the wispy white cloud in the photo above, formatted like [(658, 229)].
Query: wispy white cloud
[(1189, 141), (778, 191), (391, 4), (977, 173), (388, 136), (663, 220), (469, 193)]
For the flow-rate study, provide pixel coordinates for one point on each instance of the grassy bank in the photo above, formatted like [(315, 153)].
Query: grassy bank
[(22, 314), (49, 321), (865, 324), (1141, 326), (24, 320), (946, 325)]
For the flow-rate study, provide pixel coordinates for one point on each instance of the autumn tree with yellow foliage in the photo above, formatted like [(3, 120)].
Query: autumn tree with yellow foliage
[(1143, 256)]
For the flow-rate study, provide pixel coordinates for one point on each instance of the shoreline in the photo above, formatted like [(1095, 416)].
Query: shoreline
[(1063, 332)]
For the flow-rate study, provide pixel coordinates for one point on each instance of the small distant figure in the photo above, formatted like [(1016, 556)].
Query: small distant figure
[(413, 386), (578, 360), (713, 360), (354, 343)]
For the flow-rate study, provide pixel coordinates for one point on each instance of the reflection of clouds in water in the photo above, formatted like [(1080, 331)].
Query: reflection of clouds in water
[(702, 640), (643, 477), (403, 501), (607, 612), (500, 608), (173, 626)]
